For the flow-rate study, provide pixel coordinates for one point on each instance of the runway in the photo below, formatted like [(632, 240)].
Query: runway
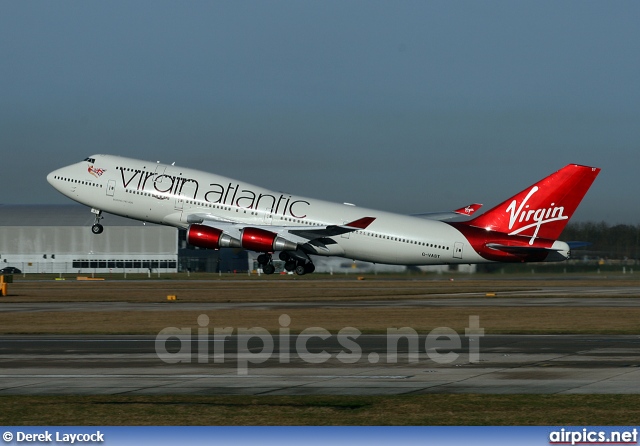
[(360, 365), (462, 302), (307, 365)]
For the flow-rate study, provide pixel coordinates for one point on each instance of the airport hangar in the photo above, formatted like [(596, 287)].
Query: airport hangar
[(58, 239)]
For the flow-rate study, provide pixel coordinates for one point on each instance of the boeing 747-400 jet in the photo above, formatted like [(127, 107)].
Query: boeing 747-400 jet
[(219, 212)]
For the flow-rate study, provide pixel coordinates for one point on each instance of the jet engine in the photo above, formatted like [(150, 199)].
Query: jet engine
[(254, 239), (213, 238), (261, 240)]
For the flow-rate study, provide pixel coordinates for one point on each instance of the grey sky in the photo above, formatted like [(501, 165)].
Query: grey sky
[(402, 106)]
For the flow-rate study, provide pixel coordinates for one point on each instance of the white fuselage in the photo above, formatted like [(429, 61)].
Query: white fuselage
[(175, 196)]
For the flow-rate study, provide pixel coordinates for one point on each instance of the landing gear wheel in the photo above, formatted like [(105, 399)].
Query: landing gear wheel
[(97, 227), (284, 256), (309, 268), (300, 270), (290, 265), (266, 263)]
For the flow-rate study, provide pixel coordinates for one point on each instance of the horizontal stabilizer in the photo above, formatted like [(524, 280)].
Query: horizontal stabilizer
[(466, 211), (524, 250), (574, 245)]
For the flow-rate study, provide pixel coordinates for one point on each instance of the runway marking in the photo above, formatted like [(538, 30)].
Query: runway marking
[(170, 337), (129, 376)]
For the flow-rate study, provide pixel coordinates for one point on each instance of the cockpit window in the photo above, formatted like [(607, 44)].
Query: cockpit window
[(91, 160)]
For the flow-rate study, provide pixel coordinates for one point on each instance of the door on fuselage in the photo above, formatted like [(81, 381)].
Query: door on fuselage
[(457, 250), (111, 188), (268, 216)]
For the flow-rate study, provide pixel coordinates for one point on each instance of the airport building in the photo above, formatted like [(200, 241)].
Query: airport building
[(58, 239)]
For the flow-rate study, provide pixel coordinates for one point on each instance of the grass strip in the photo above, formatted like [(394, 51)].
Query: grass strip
[(431, 409), (370, 320)]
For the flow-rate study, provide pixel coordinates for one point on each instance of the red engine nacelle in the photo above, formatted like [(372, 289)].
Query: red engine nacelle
[(207, 237), (261, 240)]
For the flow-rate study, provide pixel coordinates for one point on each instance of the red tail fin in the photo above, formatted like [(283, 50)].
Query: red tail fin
[(543, 209)]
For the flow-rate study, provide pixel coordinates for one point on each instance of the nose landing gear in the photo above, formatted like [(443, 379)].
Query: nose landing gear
[(97, 228)]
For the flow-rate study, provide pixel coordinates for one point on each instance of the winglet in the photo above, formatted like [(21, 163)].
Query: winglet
[(361, 223), (468, 210)]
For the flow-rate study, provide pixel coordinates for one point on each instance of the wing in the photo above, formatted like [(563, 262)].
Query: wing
[(298, 234), (466, 211), (331, 230)]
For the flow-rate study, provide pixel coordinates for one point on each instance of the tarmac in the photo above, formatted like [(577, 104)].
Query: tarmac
[(347, 364), (310, 365)]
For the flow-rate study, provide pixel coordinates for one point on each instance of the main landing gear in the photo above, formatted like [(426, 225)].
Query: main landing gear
[(97, 228), (299, 265), (266, 262)]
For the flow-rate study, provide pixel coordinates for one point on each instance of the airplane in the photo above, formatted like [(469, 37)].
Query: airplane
[(220, 212)]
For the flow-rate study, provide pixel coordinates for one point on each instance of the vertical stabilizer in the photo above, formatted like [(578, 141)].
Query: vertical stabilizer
[(543, 209)]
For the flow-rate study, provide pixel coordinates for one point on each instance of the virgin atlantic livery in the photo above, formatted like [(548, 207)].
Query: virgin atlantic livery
[(219, 212)]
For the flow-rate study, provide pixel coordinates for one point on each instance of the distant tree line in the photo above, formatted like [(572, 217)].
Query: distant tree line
[(607, 242)]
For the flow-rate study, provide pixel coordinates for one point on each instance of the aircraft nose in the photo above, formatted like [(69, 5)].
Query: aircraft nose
[(54, 178)]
